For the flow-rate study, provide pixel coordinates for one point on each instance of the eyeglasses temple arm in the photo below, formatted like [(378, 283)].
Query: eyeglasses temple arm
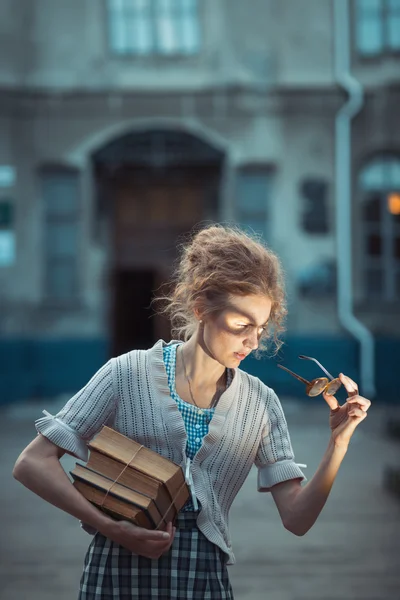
[(294, 374), (319, 364)]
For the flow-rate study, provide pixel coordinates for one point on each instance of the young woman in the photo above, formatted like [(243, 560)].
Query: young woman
[(190, 401)]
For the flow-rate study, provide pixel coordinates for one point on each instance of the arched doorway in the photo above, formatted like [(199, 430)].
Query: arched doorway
[(152, 187)]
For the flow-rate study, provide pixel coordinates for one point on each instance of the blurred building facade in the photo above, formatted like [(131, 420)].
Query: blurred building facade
[(124, 123)]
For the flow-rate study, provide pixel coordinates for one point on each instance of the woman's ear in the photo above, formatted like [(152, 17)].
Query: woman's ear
[(198, 313), (198, 318)]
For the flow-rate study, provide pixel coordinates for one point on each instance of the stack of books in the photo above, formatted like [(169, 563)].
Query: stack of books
[(149, 492)]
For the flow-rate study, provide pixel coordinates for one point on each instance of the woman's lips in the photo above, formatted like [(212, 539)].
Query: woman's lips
[(240, 356)]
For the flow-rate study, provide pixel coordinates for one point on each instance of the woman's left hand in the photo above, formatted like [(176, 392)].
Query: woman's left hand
[(344, 419)]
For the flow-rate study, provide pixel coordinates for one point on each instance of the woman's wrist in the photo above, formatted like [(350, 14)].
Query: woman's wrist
[(106, 525), (338, 445)]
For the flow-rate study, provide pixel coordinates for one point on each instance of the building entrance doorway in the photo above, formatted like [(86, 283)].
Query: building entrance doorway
[(154, 188), (131, 308)]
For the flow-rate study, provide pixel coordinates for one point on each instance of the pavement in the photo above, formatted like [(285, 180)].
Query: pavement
[(351, 553)]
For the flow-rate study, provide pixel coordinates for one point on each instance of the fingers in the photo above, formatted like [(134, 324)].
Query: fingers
[(349, 384), (360, 402), (357, 412), (157, 549), (165, 541), (352, 390), (148, 535), (171, 531), (331, 402), (145, 542)]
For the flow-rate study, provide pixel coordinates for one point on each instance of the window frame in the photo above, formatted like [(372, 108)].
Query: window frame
[(387, 230), (386, 49), (154, 53), (74, 300), (269, 171)]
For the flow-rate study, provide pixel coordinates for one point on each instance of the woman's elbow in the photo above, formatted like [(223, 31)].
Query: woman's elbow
[(38, 453), (21, 467), (296, 528)]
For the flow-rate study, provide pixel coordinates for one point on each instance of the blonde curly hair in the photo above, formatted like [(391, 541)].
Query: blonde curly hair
[(221, 261)]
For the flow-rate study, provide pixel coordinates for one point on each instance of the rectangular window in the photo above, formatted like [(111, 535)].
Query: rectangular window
[(253, 194), (377, 25), (163, 27), (314, 205), (7, 232), (7, 176), (380, 184), (60, 190), (393, 25), (374, 282), (369, 26)]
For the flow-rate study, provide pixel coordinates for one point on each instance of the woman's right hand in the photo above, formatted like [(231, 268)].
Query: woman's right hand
[(145, 542)]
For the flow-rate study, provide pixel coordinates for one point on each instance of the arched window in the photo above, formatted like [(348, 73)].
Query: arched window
[(379, 182)]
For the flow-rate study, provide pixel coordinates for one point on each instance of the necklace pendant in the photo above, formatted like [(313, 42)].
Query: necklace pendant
[(200, 411)]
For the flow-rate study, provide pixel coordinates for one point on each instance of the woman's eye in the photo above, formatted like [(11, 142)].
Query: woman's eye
[(243, 327), (240, 328)]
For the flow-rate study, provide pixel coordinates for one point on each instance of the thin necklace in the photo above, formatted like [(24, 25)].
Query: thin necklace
[(200, 411)]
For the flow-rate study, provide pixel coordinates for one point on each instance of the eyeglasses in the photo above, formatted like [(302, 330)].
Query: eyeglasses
[(320, 384)]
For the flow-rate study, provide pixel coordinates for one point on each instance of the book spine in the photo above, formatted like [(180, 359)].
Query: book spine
[(109, 494)]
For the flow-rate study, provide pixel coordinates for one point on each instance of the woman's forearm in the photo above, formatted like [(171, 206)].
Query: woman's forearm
[(47, 479), (310, 500)]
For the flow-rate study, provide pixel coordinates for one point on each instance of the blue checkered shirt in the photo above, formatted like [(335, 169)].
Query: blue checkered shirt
[(196, 424)]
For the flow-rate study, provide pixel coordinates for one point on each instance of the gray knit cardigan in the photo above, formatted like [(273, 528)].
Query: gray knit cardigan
[(130, 393)]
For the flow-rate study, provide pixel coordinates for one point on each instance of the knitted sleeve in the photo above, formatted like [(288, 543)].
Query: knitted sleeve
[(275, 457), (82, 416)]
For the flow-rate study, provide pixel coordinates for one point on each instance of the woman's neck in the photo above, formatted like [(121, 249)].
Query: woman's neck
[(201, 367)]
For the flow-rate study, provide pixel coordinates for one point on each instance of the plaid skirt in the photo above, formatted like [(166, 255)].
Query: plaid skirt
[(193, 569)]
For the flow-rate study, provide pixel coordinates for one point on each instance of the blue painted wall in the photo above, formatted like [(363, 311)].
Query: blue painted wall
[(45, 368)]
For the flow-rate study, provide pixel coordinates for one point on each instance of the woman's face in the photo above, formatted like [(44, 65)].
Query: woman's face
[(231, 335)]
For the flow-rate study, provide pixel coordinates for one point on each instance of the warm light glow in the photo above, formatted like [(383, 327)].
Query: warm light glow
[(394, 203)]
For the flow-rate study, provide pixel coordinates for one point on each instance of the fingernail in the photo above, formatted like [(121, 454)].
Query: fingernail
[(165, 536)]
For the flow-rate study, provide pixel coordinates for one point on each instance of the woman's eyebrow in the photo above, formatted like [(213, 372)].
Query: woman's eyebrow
[(247, 316)]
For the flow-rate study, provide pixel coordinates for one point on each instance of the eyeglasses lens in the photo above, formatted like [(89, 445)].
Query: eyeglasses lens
[(317, 386), (333, 387)]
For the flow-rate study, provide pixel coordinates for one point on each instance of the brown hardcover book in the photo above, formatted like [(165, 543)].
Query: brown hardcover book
[(125, 450), (117, 493), (115, 507), (135, 480)]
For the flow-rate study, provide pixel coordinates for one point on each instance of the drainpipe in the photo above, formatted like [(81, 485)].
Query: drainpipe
[(343, 121)]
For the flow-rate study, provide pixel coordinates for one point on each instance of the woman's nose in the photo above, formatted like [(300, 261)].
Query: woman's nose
[(252, 341)]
